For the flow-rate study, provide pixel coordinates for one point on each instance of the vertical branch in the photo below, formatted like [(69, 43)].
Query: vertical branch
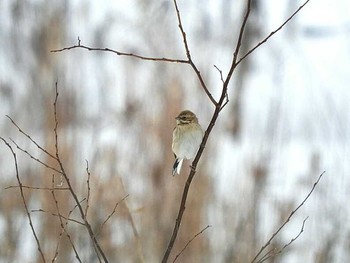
[(62, 225), (24, 200), (80, 208), (218, 107), (235, 53), (88, 188)]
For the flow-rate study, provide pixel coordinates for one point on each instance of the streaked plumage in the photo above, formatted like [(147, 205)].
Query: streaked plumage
[(187, 137)]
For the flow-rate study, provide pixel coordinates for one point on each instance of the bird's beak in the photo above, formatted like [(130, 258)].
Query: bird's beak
[(177, 118)]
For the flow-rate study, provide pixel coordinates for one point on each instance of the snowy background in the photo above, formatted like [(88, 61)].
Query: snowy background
[(287, 122)]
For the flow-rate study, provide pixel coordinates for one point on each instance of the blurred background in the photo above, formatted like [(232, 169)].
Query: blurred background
[(287, 121)]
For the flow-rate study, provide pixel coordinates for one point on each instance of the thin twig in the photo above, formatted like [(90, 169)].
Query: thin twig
[(236, 52), (134, 229), (188, 54), (95, 243), (37, 188), (88, 188), (196, 235), (270, 255), (34, 158), (220, 72), (30, 138), (57, 215), (24, 200), (271, 34), (288, 219), (63, 226), (111, 214), (171, 60)]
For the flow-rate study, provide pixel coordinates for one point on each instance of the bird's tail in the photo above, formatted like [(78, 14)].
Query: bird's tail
[(177, 166)]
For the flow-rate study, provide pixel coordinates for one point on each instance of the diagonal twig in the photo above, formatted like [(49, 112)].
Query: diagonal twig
[(273, 252), (111, 214), (34, 158), (24, 200), (187, 244), (57, 215), (63, 226), (30, 138), (288, 219), (271, 34), (188, 54)]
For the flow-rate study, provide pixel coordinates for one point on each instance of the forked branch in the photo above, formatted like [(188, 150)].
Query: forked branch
[(219, 105), (288, 219)]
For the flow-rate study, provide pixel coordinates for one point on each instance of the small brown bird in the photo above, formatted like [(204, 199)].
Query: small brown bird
[(187, 137)]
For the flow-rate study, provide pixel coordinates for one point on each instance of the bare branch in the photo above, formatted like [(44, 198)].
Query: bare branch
[(58, 215), (196, 235), (95, 243), (35, 159), (30, 138), (111, 214), (63, 226), (183, 33), (24, 200), (288, 219), (88, 188), (235, 53), (38, 188), (220, 72), (275, 253), (171, 60), (271, 34), (188, 54), (134, 229), (218, 107)]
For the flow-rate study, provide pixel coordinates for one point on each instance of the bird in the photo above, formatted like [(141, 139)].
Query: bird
[(187, 137)]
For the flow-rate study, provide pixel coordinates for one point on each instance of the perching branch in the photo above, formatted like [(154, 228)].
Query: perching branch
[(219, 105)]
